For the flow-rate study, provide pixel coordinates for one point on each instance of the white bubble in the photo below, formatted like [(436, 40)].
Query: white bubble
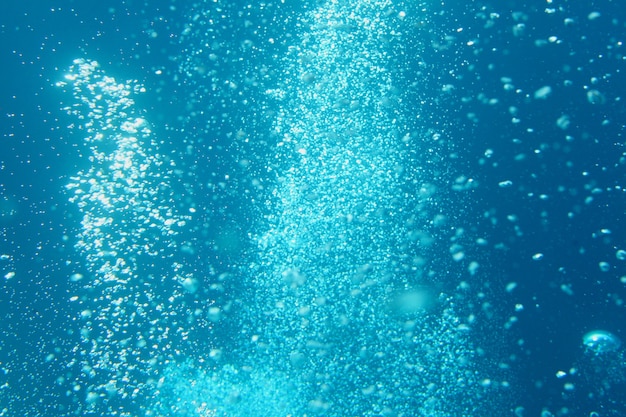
[(601, 341), (473, 267), (91, 397), (215, 314), (593, 15), (190, 285), (595, 97), (543, 92), (76, 277), (563, 122)]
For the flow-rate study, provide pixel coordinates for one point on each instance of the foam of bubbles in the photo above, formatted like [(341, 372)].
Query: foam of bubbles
[(338, 315)]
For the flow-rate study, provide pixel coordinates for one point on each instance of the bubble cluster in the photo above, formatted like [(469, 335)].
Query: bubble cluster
[(127, 238), (338, 314)]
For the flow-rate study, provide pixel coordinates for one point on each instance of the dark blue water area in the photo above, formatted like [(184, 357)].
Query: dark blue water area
[(38, 154), (554, 321)]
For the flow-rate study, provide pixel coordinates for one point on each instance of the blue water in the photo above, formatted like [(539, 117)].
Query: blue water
[(371, 208)]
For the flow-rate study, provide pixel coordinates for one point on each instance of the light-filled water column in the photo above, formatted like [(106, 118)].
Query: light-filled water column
[(341, 313), (342, 306)]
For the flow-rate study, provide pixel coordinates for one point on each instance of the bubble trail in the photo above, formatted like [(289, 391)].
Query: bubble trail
[(128, 228), (339, 271)]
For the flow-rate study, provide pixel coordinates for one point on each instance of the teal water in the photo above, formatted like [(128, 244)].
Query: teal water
[(330, 208)]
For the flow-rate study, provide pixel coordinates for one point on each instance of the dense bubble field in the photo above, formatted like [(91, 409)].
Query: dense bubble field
[(324, 208)]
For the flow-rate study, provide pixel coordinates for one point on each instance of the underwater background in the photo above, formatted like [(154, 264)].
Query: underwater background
[(302, 208)]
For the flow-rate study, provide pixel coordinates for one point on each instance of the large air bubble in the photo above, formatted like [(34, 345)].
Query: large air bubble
[(601, 341)]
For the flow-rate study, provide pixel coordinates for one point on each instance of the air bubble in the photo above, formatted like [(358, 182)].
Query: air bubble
[(601, 341)]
